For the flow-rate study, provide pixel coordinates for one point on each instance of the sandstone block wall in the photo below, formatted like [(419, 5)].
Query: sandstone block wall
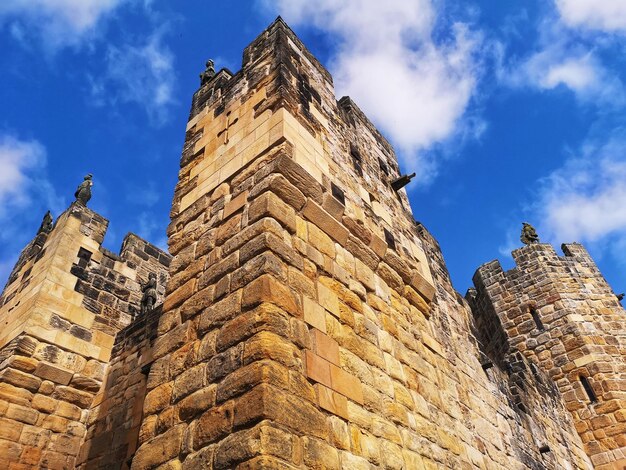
[(309, 322), (563, 316), (116, 411), (65, 301)]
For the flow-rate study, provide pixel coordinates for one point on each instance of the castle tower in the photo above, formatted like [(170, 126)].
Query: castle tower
[(309, 321), (562, 315), (65, 300)]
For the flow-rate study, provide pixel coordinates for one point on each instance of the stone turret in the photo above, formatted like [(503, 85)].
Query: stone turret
[(65, 301), (309, 321), (560, 312)]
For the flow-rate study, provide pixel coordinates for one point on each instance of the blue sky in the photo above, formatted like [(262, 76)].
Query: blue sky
[(507, 111)]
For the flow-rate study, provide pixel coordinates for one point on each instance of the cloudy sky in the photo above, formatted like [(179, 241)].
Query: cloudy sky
[(507, 111)]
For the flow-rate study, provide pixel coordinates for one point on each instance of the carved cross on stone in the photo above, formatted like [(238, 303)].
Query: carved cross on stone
[(225, 130)]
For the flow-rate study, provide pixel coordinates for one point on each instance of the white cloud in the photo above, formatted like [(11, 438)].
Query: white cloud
[(561, 59), (576, 73), (58, 22), (604, 15), (25, 195), (142, 74), (416, 88), (585, 200), (20, 161)]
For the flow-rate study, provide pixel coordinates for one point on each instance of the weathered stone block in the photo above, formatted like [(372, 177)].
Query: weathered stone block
[(421, 285), (268, 289), (71, 395), (270, 205), (157, 399), (265, 317), (22, 414), (196, 403), (279, 185), (214, 425), (20, 379), (268, 345), (13, 394), (159, 450), (176, 298), (314, 314), (319, 455), (325, 222), (220, 312), (188, 382)]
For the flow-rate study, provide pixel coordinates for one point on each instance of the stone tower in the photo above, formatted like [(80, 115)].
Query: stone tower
[(60, 311), (309, 321), (562, 315)]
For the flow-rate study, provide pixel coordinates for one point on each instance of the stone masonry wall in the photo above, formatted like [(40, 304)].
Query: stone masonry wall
[(116, 412), (563, 316), (309, 322), (60, 312)]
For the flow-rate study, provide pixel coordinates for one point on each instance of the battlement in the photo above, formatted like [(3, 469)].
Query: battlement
[(560, 312), (282, 79), (65, 301)]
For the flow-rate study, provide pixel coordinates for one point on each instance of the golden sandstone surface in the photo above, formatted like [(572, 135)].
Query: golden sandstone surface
[(308, 320)]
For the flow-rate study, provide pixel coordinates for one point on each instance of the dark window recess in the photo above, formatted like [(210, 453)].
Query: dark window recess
[(338, 193), (535, 314), (27, 273), (587, 386), (535, 372), (389, 238), (84, 256), (357, 161), (383, 166)]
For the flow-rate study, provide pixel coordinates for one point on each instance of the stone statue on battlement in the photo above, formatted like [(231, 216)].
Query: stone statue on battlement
[(149, 298), (209, 73), (46, 224), (529, 235), (83, 192)]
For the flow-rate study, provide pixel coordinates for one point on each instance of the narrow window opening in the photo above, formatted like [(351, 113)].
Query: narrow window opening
[(338, 193), (357, 161), (84, 256), (537, 319), (389, 238), (587, 386), (383, 166)]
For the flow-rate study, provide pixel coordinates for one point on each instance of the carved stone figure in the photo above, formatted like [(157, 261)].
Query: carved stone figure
[(83, 192), (46, 224), (149, 298), (209, 73), (529, 235)]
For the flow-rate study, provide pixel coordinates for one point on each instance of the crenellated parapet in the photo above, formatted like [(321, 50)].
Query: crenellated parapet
[(560, 312), (65, 301)]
